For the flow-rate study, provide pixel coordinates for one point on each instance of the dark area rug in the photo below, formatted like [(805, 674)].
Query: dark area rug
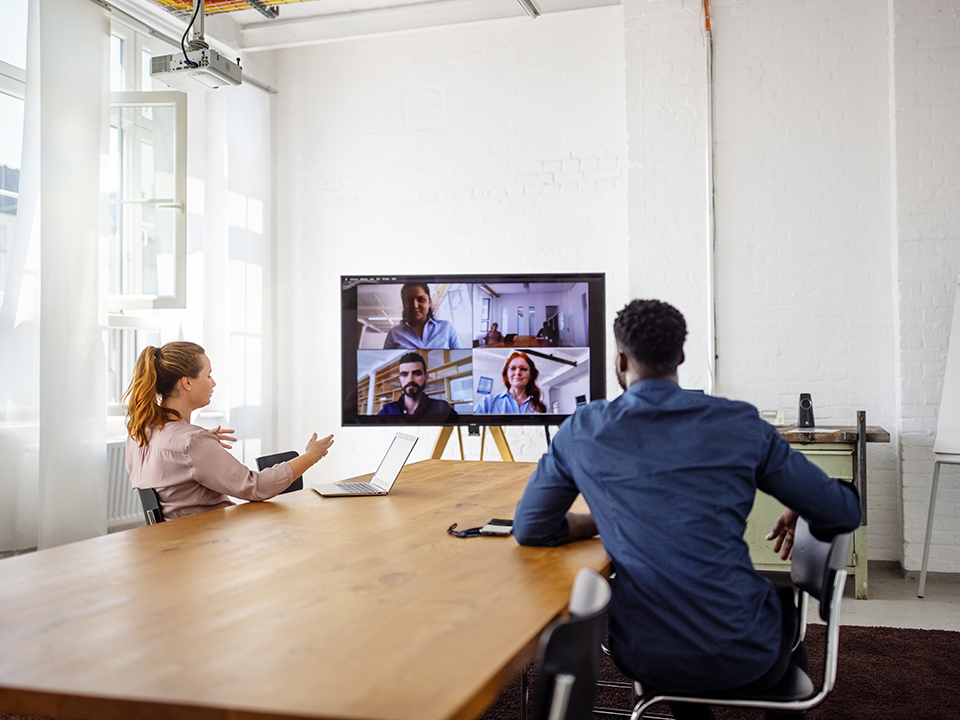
[(883, 674)]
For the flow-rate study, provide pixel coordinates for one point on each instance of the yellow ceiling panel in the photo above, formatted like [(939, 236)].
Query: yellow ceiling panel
[(185, 7)]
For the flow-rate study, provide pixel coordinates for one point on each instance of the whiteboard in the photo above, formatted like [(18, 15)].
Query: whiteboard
[(948, 424)]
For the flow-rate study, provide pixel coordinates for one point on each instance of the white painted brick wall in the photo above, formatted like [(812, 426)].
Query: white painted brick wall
[(926, 51), (578, 141), (666, 94), (805, 293), (804, 243), (498, 147)]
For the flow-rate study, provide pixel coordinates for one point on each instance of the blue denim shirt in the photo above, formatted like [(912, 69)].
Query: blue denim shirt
[(670, 477)]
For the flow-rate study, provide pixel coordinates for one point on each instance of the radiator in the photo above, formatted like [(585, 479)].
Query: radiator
[(123, 502)]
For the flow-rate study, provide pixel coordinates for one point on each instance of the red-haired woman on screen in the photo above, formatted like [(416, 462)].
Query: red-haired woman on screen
[(522, 394), (186, 464)]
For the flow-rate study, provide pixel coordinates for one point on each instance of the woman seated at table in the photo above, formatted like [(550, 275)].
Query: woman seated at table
[(522, 394), (186, 464), (419, 329), (493, 335)]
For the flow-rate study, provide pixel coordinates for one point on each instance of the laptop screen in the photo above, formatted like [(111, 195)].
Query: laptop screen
[(394, 460)]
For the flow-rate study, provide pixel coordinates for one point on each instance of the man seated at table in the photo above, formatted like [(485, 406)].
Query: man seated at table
[(670, 477), (414, 404)]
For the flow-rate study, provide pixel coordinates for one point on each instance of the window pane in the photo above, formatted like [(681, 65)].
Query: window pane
[(123, 349), (13, 33), (142, 231), (146, 82), (11, 116), (116, 63), (115, 210)]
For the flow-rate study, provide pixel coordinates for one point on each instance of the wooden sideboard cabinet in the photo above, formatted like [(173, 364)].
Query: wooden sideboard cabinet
[(841, 452)]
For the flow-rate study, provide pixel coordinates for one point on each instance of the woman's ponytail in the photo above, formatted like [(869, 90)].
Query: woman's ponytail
[(155, 375)]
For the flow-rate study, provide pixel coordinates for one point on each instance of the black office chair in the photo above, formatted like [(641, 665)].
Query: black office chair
[(151, 506), (819, 570), (570, 653), (269, 460)]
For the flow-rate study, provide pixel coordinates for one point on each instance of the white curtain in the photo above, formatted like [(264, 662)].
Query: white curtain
[(52, 359)]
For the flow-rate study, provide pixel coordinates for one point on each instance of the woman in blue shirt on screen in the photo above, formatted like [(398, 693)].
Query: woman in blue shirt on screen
[(420, 329), (522, 394)]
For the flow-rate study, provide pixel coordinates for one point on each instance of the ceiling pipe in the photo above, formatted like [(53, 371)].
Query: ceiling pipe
[(530, 7)]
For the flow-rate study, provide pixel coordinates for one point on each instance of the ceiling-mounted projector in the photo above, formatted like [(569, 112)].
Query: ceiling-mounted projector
[(203, 69), (199, 67)]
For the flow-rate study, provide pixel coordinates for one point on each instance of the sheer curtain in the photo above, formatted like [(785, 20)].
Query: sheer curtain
[(52, 360)]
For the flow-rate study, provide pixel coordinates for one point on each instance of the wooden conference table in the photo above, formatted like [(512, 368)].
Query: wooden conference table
[(300, 607)]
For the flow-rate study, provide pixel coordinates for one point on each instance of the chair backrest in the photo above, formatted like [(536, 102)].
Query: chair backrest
[(570, 653), (816, 564), (151, 506), (277, 458)]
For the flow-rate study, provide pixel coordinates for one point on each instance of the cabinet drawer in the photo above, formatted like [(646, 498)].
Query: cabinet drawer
[(835, 460)]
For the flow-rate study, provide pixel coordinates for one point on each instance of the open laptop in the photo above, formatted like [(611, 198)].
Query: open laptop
[(383, 479)]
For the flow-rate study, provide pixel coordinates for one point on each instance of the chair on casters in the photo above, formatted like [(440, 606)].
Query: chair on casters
[(570, 653), (151, 506), (819, 570), (277, 458)]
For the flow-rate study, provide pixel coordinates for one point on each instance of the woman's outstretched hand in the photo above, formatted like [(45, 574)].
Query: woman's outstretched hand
[(319, 448), (225, 436)]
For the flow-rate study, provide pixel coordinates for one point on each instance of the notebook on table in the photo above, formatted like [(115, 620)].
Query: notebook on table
[(383, 479)]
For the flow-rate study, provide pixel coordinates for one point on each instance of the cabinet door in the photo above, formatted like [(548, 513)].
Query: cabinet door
[(836, 460)]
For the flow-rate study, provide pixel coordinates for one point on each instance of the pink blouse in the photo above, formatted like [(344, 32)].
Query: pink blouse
[(192, 472)]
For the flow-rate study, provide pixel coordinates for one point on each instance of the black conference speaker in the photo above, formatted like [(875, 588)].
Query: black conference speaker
[(806, 411)]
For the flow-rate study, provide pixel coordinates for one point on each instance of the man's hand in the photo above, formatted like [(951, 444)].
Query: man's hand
[(582, 527), (782, 534)]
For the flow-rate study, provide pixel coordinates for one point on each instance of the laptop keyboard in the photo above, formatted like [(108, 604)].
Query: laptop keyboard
[(358, 487)]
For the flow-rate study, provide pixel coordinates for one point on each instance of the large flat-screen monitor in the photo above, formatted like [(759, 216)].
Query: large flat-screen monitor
[(471, 349)]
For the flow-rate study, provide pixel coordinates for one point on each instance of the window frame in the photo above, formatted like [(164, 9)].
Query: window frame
[(177, 100)]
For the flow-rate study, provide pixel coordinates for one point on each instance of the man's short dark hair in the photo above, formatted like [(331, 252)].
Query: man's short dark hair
[(652, 333), (413, 357)]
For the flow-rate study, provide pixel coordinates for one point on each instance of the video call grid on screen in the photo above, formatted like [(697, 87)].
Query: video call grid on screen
[(475, 325)]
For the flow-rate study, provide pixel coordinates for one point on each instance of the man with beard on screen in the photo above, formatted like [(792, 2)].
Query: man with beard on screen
[(414, 404)]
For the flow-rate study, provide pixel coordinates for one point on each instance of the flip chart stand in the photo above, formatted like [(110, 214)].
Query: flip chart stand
[(495, 431), (941, 460), (946, 448)]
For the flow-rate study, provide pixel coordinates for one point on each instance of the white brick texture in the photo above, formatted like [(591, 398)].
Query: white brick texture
[(926, 108), (496, 147), (578, 141)]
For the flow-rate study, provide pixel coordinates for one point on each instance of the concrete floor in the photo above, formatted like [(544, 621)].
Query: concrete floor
[(893, 601)]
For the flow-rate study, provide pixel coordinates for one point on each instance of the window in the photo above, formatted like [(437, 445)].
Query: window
[(11, 116), (147, 222), (123, 348), (485, 314), (147, 184), (13, 61)]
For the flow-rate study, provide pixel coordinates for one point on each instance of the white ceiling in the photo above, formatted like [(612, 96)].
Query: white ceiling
[(318, 21)]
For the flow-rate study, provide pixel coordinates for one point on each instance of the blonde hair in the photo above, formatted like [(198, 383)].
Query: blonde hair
[(156, 374)]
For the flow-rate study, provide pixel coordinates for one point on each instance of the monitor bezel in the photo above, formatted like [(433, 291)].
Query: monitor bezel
[(596, 344)]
